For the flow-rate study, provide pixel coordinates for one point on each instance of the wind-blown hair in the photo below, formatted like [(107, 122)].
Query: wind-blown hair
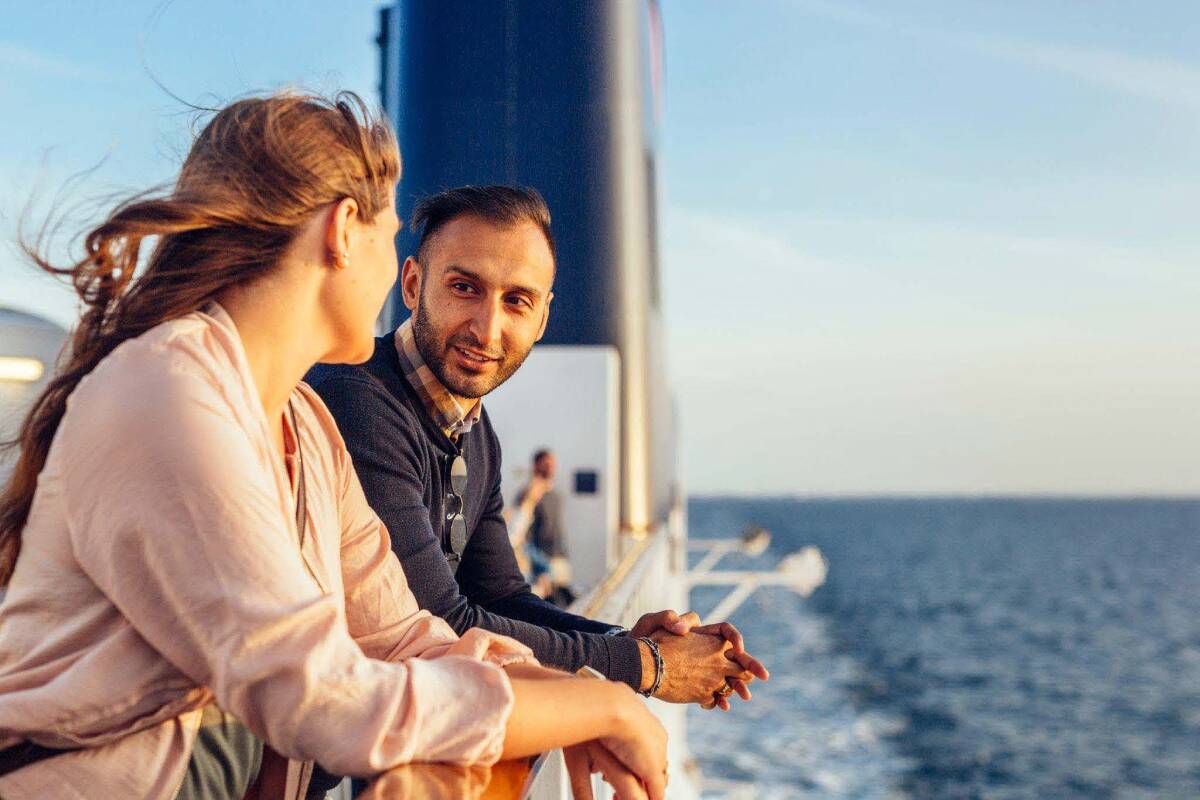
[(256, 172)]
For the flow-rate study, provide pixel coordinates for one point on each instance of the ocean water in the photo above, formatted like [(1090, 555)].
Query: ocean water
[(965, 648)]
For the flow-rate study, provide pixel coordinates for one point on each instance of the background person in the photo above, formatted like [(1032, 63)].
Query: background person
[(517, 518), (545, 538)]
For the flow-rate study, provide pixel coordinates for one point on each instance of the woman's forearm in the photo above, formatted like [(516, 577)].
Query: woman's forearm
[(557, 713), (537, 672)]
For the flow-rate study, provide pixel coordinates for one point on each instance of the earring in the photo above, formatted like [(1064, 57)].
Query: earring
[(345, 258)]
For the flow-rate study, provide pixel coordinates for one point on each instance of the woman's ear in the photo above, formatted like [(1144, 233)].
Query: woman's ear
[(338, 231)]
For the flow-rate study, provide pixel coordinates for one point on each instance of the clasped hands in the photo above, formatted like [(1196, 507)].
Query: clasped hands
[(703, 664)]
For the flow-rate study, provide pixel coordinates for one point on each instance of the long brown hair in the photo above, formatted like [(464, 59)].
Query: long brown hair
[(257, 170)]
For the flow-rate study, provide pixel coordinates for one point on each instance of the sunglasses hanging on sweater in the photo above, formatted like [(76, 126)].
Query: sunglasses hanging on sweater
[(454, 524)]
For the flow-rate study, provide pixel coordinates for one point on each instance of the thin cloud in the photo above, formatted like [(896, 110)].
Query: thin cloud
[(23, 58), (1163, 81), (697, 232), (1145, 265), (1170, 82), (845, 12)]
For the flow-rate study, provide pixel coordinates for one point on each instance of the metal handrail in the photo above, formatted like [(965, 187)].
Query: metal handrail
[(618, 584), (614, 599)]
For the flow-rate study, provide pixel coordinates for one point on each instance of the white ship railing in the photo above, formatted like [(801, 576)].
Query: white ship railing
[(647, 578)]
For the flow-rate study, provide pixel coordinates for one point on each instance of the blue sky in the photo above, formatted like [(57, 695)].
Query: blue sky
[(947, 247)]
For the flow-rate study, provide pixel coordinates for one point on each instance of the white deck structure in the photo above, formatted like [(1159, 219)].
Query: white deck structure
[(29, 346)]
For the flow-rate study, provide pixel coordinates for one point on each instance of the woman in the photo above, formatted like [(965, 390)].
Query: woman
[(193, 572)]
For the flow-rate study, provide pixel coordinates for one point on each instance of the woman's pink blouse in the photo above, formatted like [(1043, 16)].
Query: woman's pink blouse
[(161, 569)]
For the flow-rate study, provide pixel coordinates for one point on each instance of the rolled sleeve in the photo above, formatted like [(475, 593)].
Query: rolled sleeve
[(466, 706)]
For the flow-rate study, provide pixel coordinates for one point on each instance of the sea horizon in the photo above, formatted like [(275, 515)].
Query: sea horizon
[(946, 496), (998, 646)]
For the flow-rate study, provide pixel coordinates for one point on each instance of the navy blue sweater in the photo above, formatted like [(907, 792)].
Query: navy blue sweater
[(400, 456)]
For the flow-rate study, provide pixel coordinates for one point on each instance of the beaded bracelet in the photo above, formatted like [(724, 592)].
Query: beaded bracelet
[(660, 666)]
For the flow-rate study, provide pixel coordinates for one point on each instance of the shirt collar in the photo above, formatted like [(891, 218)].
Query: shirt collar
[(446, 411)]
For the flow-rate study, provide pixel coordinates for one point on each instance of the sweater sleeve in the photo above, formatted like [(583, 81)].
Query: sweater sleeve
[(384, 442), (382, 613), (183, 531)]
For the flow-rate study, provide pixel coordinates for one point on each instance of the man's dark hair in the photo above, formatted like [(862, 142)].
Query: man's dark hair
[(499, 205), (540, 454)]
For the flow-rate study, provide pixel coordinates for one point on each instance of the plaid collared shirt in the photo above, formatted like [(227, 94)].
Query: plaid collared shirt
[(446, 411)]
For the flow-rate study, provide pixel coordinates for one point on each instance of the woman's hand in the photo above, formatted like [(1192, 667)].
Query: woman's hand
[(590, 757), (593, 756), (638, 741), (556, 710)]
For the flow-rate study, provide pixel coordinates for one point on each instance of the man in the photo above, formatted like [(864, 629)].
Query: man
[(544, 537), (479, 289)]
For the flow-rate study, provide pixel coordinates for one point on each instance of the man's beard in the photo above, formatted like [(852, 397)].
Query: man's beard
[(435, 353)]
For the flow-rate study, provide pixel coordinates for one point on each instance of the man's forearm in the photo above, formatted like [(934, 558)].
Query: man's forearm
[(617, 657), (528, 607)]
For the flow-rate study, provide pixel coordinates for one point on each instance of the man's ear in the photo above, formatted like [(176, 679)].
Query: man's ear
[(545, 317), (337, 232), (410, 283)]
